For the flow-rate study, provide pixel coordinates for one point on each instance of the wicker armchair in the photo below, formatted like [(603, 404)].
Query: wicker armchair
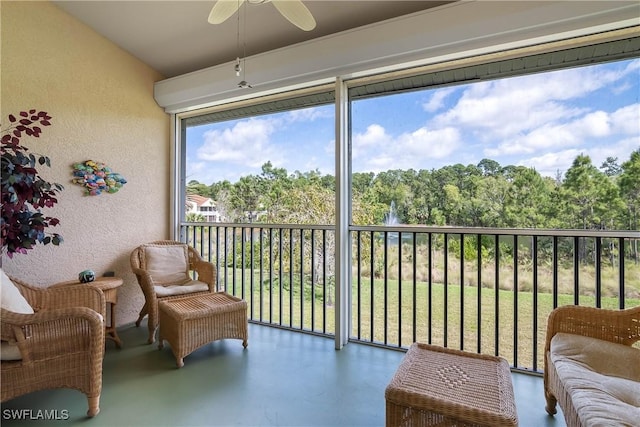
[(61, 345), (616, 326), (170, 286)]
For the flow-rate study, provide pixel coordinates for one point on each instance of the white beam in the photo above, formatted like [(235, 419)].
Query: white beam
[(456, 30)]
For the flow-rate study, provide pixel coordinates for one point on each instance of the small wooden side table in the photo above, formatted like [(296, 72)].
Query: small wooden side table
[(109, 287)]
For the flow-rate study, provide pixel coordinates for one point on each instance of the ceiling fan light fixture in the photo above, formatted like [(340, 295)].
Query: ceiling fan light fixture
[(293, 10), (222, 10), (296, 13)]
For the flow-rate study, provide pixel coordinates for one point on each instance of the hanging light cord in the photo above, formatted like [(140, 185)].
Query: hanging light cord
[(238, 67), (244, 42)]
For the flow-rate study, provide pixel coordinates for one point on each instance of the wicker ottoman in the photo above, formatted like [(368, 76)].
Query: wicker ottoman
[(445, 387), (191, 322)]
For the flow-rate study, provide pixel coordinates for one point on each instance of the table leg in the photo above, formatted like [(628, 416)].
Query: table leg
[(110, 331)]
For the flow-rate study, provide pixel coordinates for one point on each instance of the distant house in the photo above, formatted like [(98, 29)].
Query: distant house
[(200, 205)]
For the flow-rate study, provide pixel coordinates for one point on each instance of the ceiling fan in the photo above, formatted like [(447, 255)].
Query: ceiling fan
[(293, 10)]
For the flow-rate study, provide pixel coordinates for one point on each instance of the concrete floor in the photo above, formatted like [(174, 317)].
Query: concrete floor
[(282, 379)]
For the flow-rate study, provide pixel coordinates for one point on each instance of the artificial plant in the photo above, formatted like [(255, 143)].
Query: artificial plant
[(24, 192)]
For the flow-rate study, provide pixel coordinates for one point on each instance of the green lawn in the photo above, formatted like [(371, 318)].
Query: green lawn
[(287, 309)]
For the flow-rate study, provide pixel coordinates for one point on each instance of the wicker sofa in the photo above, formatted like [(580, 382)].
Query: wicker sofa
[(51, 338), (592, 367)]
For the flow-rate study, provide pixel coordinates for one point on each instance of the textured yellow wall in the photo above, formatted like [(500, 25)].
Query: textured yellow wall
[(102, 107)]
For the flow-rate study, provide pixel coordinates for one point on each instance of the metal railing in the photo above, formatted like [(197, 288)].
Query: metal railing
[(284, 272), (476, 289)]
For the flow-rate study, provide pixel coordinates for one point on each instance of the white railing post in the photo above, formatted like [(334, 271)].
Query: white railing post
[(343, 246), (178, 181)]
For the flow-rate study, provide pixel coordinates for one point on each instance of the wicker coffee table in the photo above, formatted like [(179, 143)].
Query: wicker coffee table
[(191, 322), (445, 387)]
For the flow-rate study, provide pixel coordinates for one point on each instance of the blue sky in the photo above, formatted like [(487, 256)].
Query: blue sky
[(542, 120)]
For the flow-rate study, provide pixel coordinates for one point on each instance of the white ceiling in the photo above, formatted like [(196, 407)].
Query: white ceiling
[(174, 37)]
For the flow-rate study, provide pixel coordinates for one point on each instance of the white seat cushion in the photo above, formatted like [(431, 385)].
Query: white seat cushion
[(187, 288), (602, 378), (9, 351), (12, 300), (167, 265)]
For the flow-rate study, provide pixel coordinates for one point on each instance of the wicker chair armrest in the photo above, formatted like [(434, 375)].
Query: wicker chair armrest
[(145, 281), (61, 295), (49, 333), (618, 326), (206, 273)]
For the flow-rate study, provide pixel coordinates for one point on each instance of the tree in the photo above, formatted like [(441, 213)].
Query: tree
[(489, 167), (591, 197), (629, 184), (452, 204), (276, 184), (493, 191), (361, 182), (195, 217), (610, 167), (246, 196), (195, 187), (527, 199), (390, 187), (581, 191), (423, 199), (24, 191)]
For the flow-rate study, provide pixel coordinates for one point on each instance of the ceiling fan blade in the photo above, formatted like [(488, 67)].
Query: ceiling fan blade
[(296, 12), (222, 10)]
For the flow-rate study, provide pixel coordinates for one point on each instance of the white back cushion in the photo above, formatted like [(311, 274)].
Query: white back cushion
[(10, 297), (168, 265)]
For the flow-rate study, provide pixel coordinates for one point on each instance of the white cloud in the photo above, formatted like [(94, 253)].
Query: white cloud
[(622, 149), (373, 139), (550, 163), (597, 124), (588, 129), (426, 143), (195, 169), (626, 121), (521, 113), (436, 102), (247, 143), (206, 173), (309, 114), (377, 150)]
